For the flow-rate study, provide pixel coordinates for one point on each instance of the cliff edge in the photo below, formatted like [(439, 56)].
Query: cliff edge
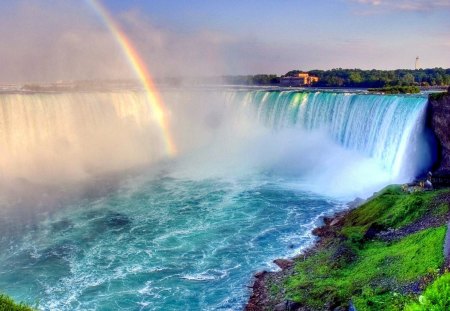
[(439, 120), (389, 253)]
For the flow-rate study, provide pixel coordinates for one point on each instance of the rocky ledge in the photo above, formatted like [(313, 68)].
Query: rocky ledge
[(381, 255), (263, 298), (439, 122)]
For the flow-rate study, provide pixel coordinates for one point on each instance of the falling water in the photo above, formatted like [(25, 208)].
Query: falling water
[(256, 171)]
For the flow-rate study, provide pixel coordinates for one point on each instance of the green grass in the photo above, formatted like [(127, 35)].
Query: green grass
[(398, 264), (392, 208), (380, 268), (7, 304), (409, 89), (435, 298), (441, 210), (437, 96), (372, 273)]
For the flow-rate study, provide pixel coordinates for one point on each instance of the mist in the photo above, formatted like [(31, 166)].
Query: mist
[(76, 138), (54, 139), (76, 135), (65, 40), (85, 175)]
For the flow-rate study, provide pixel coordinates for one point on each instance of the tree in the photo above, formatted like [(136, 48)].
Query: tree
[(408, 79), (355, 78)]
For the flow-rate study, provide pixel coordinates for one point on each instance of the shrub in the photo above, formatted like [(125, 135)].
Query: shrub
[(435, 298), (7, 304)]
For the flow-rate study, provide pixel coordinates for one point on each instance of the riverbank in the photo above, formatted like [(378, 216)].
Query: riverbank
[(381, 255), (7, 304)]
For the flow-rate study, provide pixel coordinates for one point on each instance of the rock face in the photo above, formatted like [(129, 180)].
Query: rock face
[(284, 263), (439, 118)]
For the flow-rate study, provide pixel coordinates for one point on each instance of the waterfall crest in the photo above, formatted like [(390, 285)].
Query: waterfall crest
[(383, 127), (54, 136), (72, 135)]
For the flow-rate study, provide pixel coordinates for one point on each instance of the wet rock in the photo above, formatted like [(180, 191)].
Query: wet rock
[(335, 221), (251, 307), (280, 307), (260, 274), (293, 306), (351, 307), (447, 243), (259, 296), (441, 179), (343, 255), (284, 263), (287, 306), (438, 115), (372, 232), (323, 231), (327, 220), (319, 231)]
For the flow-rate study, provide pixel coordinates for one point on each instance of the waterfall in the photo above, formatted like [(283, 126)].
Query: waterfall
[(384, 127), (255, 173), (52, 135)]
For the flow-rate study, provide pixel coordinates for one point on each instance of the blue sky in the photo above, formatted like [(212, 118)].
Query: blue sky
[(221, 37), (341, 33)]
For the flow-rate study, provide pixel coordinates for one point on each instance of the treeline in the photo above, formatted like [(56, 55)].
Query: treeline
[(260, 79), (379, 78), (354, 78)]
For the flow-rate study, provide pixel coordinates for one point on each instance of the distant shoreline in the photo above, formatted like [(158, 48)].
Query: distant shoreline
[(116, 87)]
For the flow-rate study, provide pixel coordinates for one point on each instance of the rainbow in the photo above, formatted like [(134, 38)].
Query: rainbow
[(142, 73)]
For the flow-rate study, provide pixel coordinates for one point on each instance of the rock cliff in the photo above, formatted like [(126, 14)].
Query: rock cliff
[(439, 120)]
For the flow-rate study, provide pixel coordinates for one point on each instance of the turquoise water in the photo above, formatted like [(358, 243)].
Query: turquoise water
[(161, 244), (188, 233), (378, 126)]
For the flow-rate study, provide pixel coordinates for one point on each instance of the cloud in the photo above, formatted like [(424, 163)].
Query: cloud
[(55, 40), (63, 40), (406, 5), (170, 53)]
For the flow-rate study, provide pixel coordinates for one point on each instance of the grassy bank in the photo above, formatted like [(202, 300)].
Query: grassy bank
[(384, 255), (7, 304)]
